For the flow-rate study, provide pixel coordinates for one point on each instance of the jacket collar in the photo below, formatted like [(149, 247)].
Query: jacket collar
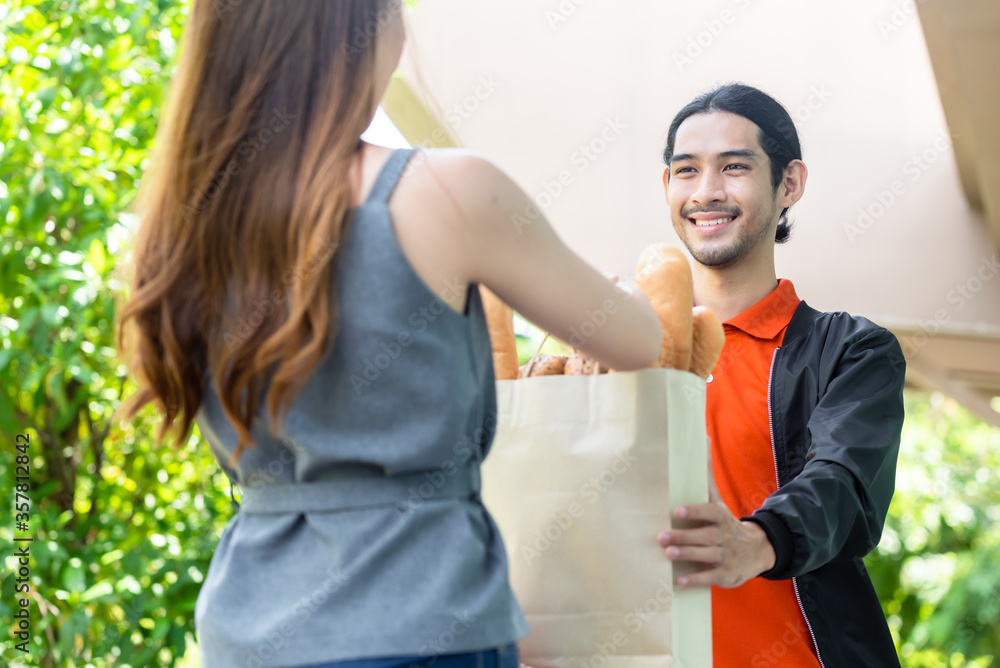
[(802, 320)]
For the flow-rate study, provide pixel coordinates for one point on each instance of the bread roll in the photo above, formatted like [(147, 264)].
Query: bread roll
[(545, 365), (579, 364), (708, 339)]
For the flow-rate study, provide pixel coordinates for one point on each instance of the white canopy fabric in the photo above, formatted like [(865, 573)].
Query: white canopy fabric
[(573, 99)]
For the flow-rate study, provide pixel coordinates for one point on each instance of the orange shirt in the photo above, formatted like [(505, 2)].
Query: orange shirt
[(758, 624)]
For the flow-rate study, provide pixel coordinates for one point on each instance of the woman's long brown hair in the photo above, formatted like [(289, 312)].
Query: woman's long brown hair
[(243, 207)]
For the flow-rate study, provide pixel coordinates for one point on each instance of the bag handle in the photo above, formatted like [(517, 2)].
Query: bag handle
[(534, 358)]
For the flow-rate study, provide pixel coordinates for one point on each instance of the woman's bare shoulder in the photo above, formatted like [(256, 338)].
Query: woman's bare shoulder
[(461, 184), (453, 167)]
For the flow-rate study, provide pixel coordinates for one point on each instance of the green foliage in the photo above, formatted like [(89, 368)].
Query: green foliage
[(528, 345), (122, 533), (937, 568)]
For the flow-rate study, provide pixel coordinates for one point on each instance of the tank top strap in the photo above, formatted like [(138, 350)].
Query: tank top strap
[(389, 176)]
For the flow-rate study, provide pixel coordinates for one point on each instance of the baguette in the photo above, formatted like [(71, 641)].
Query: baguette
[(500, 323), (664, 276)]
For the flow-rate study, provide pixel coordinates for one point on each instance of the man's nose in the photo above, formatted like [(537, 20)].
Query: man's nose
[(710, 189)]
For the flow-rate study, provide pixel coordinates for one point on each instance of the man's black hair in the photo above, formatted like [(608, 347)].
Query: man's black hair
[(777, 135)]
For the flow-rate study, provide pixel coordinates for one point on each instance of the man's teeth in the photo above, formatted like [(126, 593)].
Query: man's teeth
[(714, 221)]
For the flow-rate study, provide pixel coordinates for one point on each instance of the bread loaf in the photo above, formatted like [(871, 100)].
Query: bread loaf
[(664, 276), (500, 323), (708, 339)]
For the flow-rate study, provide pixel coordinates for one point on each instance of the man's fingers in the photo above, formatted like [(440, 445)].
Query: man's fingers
[(708, 555), (706, 578), (702, 536), (702, 512), (719, 577)]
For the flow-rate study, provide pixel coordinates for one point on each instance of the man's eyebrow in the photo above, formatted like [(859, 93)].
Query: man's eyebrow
[(734, 153), (740, 153)]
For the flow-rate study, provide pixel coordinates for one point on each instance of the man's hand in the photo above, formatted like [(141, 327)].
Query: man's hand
[(731, 551)]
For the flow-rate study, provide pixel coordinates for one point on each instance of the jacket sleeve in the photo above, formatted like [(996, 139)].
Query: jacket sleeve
[(835, 508)]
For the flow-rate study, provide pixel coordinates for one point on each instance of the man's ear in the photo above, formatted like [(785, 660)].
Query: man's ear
[(793, 184), (666, 182)]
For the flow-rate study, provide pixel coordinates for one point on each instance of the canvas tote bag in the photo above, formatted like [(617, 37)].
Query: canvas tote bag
[(583, 474)]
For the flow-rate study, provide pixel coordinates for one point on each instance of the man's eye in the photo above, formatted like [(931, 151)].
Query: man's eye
[(681, 170), (735, 165)]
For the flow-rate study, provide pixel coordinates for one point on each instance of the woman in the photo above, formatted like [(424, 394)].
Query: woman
[(281, 261)]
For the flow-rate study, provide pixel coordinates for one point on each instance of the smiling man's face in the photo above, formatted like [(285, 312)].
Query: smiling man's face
[(718, 187)]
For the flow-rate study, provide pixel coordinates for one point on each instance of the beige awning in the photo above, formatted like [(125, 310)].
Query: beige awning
[(900, 217)]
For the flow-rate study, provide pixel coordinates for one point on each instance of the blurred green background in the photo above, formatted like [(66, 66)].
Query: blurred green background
[(123, 533)]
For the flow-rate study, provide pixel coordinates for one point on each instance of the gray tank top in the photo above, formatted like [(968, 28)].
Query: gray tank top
[(361, 531)]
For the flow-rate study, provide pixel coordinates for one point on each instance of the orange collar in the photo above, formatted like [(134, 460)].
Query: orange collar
[(766, 318)]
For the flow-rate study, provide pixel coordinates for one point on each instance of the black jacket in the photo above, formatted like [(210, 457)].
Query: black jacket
[(835, 398)]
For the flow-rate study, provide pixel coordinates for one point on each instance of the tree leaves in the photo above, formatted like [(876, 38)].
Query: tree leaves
[(936, 567), (81, 87)]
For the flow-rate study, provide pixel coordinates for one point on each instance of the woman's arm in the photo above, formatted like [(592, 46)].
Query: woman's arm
[(509, 246)]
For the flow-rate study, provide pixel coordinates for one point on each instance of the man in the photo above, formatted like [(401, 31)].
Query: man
[(804, 408)]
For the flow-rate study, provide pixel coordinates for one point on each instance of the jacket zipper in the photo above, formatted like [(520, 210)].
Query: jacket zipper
[(777, 479), (770, 420)]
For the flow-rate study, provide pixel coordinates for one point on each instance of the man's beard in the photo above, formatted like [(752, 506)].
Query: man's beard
[(751, 234)]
